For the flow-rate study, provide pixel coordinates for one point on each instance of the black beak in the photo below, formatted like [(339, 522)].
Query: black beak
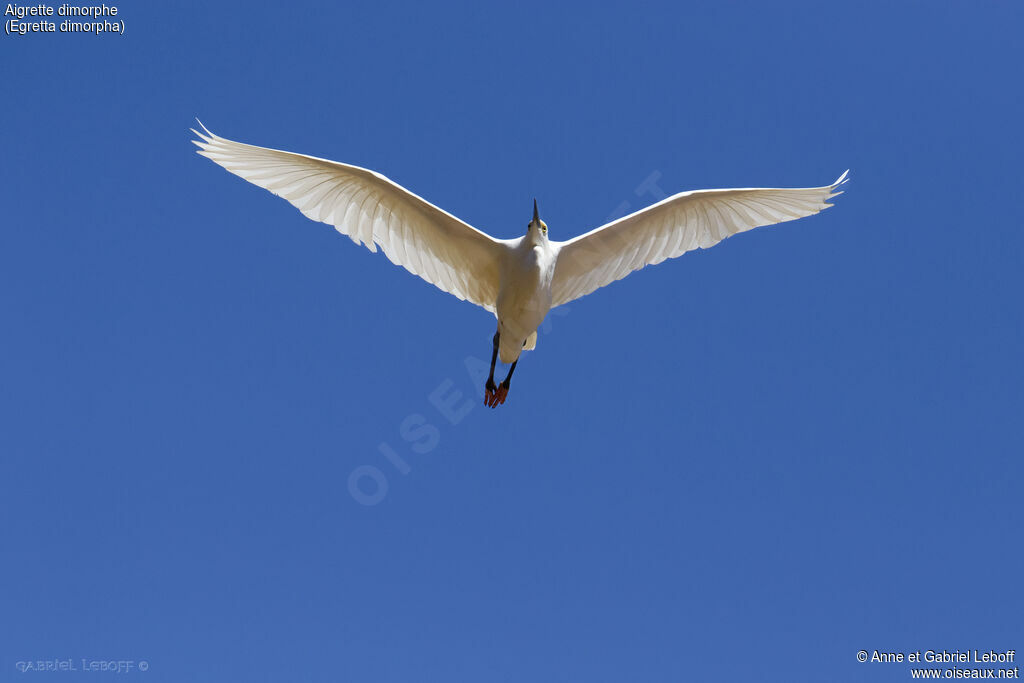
[(536, 216)]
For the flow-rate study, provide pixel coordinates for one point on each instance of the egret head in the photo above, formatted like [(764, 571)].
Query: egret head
[(537, 227)]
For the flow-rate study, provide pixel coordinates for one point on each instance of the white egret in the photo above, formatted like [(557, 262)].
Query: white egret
[(519, 280)]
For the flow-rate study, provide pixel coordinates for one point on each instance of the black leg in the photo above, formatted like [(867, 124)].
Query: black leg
[(490, 389), (499, 396), (508, 377)]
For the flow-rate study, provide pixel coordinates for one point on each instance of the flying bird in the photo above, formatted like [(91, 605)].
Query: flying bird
[(521, 279)]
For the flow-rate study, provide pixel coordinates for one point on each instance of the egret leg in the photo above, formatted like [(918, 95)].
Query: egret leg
[(490, 389), (503, 387)]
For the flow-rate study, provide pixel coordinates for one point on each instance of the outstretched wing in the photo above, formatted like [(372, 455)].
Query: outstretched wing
[(672, 227), (371, 210)]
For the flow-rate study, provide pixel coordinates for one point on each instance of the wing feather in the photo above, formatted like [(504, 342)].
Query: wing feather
[(672, 227), (374, 211)]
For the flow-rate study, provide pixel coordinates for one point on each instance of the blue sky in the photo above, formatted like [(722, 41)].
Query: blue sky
[(745, 464)]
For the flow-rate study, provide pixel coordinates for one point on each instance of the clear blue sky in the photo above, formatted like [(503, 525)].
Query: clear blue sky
[(745, 464)]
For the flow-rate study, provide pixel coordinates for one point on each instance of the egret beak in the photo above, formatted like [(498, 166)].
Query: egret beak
[(536, 216)]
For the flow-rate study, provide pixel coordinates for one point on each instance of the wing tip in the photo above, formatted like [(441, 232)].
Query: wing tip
[(841, 180), (205, 129), (205, 138)]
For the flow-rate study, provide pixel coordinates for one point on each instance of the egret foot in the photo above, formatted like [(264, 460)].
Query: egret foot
[(502, 392), (499, 396), (490, 393), (495, 395)]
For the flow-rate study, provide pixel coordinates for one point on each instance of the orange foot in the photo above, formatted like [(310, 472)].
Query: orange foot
[(495, 395), (500, 394)]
